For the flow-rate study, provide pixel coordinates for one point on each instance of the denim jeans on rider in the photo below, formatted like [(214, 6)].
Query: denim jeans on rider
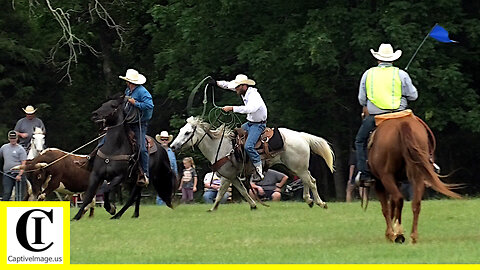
[(254, 131), (361, 141), (140, 133)]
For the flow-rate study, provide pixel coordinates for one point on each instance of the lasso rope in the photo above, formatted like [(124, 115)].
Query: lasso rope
[(216, 116)]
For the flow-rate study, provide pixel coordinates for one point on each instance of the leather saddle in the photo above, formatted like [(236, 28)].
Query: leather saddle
[(269, 143), (149, 143)]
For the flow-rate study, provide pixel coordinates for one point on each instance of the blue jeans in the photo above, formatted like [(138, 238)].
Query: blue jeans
[(361, 141), (254, 131), (8, 184), (209, 196), (140, 133)]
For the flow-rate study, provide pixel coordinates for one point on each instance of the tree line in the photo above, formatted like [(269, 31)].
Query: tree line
[(307, 58)]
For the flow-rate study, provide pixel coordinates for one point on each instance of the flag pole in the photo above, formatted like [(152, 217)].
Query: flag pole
[(420, 46)]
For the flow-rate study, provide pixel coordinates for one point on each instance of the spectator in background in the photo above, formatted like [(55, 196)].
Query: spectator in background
[(13, 154), (271, 186), (189, 180), (26, 125), (212, 184), (164, 139)]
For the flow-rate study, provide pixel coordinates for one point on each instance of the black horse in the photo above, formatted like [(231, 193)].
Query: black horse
[(114, 160)]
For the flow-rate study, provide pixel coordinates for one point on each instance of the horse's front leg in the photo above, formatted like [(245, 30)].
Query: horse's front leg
[(107, 205), (241, 188), (221, 192)]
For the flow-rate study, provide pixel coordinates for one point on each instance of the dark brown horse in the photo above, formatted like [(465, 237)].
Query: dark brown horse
[(401, 149)]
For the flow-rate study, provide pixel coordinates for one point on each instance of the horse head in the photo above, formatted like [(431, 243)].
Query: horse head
[(110, 112), (38, 140), (186, 135)]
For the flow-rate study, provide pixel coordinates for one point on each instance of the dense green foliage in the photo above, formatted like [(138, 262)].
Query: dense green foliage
[(306, 56), (286, 232)]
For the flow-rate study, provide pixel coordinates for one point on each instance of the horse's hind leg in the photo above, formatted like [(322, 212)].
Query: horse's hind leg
[(419, 188), (392, 212), (386, 210), (311, 184)]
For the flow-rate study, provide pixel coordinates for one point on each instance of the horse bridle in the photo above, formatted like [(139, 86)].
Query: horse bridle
[(195, 144)]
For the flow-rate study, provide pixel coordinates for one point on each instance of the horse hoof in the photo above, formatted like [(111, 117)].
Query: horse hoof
[(253, 207), (324, 205), (115, 217), (310, 204), (400, 239), (135, 216)]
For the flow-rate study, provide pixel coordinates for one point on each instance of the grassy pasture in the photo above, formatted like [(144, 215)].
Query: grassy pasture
[(284, 233)]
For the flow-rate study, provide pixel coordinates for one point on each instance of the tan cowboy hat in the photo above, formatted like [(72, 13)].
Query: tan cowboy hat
[(29, 109), (134, 77), (241, 79), (164, 135), (385, 53)]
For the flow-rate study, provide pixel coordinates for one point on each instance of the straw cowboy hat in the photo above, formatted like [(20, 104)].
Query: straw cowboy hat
[(29, 109), (241, 79), (164, 135), (134, 77), (385, 53)]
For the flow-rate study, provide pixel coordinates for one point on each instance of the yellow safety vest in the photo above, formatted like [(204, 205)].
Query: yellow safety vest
[(384, 87)]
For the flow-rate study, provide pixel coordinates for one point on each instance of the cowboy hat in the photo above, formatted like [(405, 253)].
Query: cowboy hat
[(241, 79), (385, 53), (163, 135), (134, 77), (29, 109)]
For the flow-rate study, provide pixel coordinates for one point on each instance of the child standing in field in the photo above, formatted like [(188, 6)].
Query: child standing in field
[(189, 180)]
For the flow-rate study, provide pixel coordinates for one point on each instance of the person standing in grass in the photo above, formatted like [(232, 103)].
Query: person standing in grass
[(189, 180)]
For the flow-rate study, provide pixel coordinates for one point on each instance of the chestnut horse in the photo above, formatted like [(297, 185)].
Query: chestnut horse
[(400, 148)]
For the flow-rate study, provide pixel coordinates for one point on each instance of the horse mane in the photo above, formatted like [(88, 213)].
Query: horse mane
[(214, 133)]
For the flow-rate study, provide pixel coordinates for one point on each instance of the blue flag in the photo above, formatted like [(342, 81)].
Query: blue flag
[(439, 33)]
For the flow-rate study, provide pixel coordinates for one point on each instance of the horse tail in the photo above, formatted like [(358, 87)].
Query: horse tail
[(320, 147), (417, 162)]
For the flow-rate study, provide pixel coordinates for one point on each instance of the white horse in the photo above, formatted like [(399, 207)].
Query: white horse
[(295, 156), (37, 144)]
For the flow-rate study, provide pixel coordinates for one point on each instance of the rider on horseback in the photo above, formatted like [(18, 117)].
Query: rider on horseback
[(383, 89), (139, 97), (256, 111)]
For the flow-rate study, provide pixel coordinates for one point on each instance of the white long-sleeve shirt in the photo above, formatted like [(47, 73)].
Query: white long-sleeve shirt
[(254, 107)]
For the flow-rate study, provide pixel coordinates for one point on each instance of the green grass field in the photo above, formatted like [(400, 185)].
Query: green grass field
[(286, 232)]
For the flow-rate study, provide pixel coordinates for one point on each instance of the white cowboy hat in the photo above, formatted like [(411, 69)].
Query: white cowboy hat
[(385, 53), (241, 79), (134, 77), (29, 109), (164, 135)]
